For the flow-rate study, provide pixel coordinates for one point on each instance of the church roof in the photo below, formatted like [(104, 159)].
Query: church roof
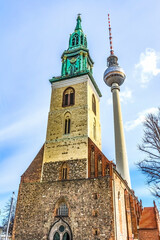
[(148, 218)]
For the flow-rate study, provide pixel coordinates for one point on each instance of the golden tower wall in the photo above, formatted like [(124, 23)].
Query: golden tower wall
[(60, 146)]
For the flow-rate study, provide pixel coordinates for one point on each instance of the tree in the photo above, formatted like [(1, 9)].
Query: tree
[(150, 165), (6, 213)]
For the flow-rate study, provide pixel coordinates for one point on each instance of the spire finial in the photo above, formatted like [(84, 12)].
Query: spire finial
[(110, 36), (78, 26)]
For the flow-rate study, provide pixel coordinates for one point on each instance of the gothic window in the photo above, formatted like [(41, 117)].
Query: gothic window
[(67, 123), (64, 172), (99, 166), (85, 42), (68, 97), (93, 104), (94, 129), (92, 162), (62, 210), (56, 236), (75, 40), (82, 39)]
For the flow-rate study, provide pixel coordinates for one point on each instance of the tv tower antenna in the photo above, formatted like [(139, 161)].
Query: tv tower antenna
[(110, 35)]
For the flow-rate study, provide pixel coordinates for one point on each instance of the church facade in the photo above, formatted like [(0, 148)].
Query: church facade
[(71, 191)]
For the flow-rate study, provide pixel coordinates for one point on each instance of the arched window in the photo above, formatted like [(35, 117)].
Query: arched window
[(99, 165), (85, 42), (62, 210), (68, 97), (94, 129), (93, 104), (81, 39), (64, 172), (92, 162), (75, 40), (56, 236), (67, 123)]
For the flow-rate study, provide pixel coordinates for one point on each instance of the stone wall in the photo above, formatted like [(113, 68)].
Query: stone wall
[(77, 169), (35, 212)]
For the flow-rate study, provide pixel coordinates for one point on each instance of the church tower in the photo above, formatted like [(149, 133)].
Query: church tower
[(74, 110)]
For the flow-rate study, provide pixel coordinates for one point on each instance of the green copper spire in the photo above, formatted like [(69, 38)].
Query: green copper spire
[(76, 59), (78, 26)]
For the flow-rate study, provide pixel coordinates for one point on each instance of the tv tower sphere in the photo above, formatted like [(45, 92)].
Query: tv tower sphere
[(114, 73)]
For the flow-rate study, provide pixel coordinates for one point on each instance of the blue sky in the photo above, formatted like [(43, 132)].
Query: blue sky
[(34, 34)]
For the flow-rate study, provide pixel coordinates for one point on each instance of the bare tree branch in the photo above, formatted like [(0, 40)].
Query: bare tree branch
[(150, 166)]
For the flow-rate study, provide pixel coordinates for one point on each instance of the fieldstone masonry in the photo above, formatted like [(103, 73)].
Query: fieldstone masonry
[(37, 202), (77, 169)]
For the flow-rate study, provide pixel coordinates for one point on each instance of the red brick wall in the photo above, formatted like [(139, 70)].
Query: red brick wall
[(33, 172), (107, 166), (150, 234)]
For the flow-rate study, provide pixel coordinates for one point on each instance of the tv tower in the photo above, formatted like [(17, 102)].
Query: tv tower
[(114, 77)]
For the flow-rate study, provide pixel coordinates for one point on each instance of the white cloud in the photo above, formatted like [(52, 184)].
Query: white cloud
[(148, 66), (26, 124), (140, 119), (125, 96)]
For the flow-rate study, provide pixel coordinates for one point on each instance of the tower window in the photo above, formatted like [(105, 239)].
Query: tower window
[(93, 104), (62, 210), (85, 42), (67, 125), (75, 40), (81, 39), (68, 97)]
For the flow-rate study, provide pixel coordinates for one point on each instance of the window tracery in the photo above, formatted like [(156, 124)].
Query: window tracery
[(75, 40), (64, 172), (82, 39), (62, 210), (67, 123), (60, 230), (68, 97)]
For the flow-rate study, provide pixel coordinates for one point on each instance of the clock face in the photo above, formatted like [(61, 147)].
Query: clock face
[(73, 60)]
